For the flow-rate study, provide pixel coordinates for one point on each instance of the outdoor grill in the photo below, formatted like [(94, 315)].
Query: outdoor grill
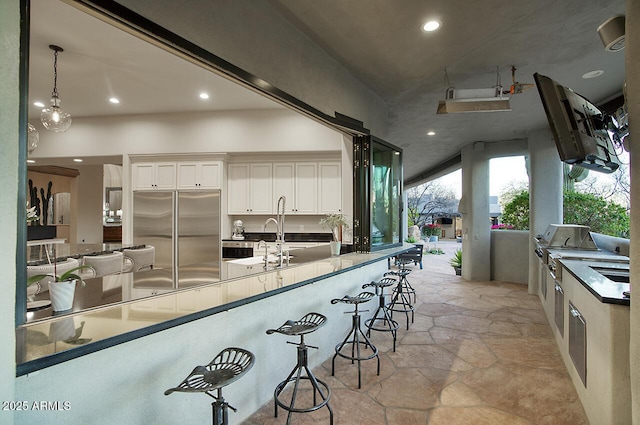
[(564, 236)]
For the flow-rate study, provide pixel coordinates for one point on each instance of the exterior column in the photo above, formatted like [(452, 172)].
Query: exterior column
[(474, 207), (545, 193)]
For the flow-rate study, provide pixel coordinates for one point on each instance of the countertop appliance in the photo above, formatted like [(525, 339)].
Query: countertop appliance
[(184, 227), (238, 230), (234, 249)]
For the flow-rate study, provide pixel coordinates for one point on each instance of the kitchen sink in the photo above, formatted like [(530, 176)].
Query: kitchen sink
[(613, 274), (258, 259)]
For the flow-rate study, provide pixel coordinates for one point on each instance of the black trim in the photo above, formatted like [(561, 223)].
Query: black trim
[(23, 111), (443, 166), (139, 23), (48, 361)]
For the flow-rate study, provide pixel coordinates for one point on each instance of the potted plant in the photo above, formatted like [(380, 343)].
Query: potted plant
[(456, 262), (432, 231), (337, 223), (62, 288)]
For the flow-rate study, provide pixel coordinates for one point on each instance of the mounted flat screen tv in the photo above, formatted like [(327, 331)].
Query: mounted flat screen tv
[(582, 131)]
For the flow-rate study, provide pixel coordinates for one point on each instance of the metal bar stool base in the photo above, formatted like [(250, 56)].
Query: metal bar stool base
[(309, 323), (356, 334)]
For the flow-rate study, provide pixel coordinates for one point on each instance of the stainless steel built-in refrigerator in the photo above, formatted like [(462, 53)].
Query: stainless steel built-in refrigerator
[(184, 227)]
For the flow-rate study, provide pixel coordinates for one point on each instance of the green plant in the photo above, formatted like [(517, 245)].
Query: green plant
[(337, 223), (68, 275), (456, 260), (433, 229), (411, 239)]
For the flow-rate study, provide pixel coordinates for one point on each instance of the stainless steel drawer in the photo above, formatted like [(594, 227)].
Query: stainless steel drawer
[(578, 342)]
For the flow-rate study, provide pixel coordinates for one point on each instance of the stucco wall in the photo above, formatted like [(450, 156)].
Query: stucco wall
[(125, 384), (510, 256)]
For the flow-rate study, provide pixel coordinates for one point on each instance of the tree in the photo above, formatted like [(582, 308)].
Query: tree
[(428, 199), (600, 215)]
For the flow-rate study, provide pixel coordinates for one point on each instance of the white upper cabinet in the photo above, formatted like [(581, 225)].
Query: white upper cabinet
[(306, 188), (154, 176), (298, 182), (249, 189), (200, 175), (329, 187)]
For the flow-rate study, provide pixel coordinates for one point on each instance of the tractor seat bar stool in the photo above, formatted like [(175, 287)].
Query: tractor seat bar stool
[(307, 324), (401, 297), (227, 367), (402, 273), (382, 314), (355, 333)]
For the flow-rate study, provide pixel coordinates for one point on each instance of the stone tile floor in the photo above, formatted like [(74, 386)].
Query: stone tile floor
[(478, 353)]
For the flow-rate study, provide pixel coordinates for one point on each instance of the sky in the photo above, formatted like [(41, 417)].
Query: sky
[(502, 172)]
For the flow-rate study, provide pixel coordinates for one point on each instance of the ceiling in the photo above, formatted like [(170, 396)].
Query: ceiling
[(381, 44)]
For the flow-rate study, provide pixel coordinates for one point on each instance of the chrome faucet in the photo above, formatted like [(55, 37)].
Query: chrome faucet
[(279, 222)]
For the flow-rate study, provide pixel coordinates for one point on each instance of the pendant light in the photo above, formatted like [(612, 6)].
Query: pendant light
[(53, 117), (33, 137)]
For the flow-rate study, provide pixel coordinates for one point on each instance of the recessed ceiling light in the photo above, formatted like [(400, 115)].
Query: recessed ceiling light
[(431, 133), (31, 161), (432, 25), (593, 74), (114, 100), (77, 160), (396, 153), (38, 104), (204, 96)]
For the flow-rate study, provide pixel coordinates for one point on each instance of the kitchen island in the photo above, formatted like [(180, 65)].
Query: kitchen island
[(111, 324)]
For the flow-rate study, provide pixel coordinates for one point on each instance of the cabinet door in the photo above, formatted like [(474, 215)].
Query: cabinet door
[(143, 176), (238, 189), (283, 185), (209, 175), (306, 188), (165, 175), (187, 175), (330, 187), (260, 190)]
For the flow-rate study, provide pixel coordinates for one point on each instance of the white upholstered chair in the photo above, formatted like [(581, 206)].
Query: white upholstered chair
[(137, 260), (103, 265), (43, 284)]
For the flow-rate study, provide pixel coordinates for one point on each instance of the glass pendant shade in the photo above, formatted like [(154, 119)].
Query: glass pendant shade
[(53, 118), (33, 137)]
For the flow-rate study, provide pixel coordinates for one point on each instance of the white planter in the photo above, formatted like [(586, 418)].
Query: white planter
[(335, 248), (61, 294)]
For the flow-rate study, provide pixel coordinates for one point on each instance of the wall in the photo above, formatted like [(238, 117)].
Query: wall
[(89, 204), (135, 375), (254, 37), (228, 131), (9, 202), (510, 256)]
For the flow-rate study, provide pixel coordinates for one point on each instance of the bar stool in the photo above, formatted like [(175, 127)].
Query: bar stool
[(227, 367), (309, 323), (401, 298), (355, 333), (402, 273), (382, 313)]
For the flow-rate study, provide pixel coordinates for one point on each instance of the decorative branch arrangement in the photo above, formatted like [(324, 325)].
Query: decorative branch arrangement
[(41, 207)]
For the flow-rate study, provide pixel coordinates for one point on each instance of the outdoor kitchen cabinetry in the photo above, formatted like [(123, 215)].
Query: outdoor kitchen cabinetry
[(154, 175), (249, 189)]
